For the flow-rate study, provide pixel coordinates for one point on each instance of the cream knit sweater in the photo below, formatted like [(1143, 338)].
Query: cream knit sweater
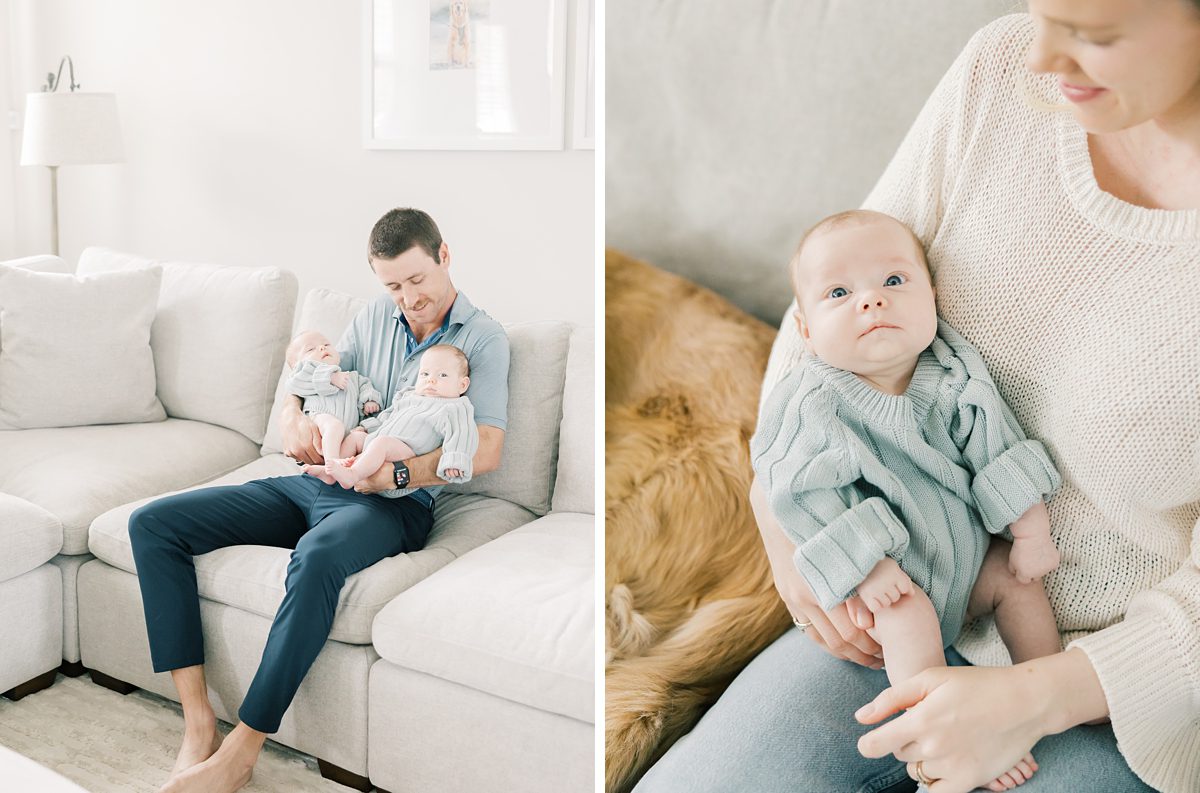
[(1084, 309)]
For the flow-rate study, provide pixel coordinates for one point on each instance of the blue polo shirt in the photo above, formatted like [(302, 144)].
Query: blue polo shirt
[(379, 344)]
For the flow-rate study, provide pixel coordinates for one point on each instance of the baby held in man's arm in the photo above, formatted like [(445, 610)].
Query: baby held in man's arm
[(891, 460)]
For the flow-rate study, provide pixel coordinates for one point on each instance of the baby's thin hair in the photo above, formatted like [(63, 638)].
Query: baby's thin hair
[(850, 217), (292, 353), (464, 364)]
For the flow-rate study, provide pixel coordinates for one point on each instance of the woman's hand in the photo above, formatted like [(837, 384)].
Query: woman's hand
[(967, 725), (834, 630)]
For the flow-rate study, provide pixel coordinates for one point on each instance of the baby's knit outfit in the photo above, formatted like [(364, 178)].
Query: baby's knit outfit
[(311, 380), (1075, 300), (854, 474), (425, 423)]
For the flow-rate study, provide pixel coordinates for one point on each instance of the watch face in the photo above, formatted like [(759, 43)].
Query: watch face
[(401, 474)]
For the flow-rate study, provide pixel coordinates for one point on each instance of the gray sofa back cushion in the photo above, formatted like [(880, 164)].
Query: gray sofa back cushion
[(218, 337), (575, 483), (732, 127)]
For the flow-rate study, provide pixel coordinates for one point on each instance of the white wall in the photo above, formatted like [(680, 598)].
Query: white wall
[(242, 123)]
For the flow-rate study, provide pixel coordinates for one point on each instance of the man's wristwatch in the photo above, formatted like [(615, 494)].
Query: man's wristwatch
[(400, 474)]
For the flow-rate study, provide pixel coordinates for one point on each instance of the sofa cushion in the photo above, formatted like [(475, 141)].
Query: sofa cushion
[(29, 536), (76, 350), (536, 369), (77, 473), (514, 618), (205, 314), (251, 577), (44, 263), (575, 483), (538, 357)]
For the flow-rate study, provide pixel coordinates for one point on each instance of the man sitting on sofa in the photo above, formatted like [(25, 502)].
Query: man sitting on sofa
[(334, 532)]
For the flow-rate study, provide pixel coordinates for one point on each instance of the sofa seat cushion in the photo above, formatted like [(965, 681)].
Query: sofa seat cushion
[(29, 535), (251, 577), (514, 618), (76, 473)]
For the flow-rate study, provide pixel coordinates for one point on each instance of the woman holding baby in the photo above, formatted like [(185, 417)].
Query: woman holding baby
[(1053, 179)]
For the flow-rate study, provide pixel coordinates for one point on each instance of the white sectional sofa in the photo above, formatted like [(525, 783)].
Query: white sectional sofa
[(217, 432)]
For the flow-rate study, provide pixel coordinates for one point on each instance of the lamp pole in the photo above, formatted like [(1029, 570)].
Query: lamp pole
[(53, 209)]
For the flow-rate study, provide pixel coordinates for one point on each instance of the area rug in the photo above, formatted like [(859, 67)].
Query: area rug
[(109, 743)]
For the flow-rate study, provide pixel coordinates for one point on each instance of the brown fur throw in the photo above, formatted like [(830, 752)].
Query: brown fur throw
[(690, 597)]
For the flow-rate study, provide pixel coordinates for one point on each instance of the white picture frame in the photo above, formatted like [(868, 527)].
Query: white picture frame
[(583, 127), (492, 78)]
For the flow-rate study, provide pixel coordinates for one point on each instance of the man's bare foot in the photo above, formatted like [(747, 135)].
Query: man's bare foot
[(229, 768), (200, 742), (1021, 773), (320, 472), (344, 476)]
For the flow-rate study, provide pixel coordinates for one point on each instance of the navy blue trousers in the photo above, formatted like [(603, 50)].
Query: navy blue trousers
[(334, 533)]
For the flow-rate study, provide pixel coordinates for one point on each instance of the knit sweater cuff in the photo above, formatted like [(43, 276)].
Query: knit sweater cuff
[(1150, 698), (838, 558), (1013, 482), (459, 460)]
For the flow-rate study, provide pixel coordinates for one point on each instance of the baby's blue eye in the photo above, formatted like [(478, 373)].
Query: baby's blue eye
[(837, 292), (894, 280)]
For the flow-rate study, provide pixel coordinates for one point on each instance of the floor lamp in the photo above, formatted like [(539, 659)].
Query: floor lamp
[(69, 128)]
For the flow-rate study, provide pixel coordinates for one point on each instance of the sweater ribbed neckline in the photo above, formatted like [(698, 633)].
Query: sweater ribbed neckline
[(880, 408), (1107, 211)]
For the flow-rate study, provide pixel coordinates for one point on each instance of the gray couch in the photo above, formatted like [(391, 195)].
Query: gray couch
[(88, 597)]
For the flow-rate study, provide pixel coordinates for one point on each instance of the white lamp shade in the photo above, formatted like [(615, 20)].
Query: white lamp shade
[(71, 129)]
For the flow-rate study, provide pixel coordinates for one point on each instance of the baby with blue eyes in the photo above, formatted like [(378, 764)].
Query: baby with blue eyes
[(890, 459)]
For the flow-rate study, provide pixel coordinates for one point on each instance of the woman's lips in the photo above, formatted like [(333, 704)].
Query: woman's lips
[(1079, 93)]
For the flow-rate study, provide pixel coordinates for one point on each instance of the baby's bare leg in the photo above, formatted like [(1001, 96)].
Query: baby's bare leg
[(1025, 622), (911, 636), (352, 445), (1022, 611), (374, 454), (332, 432)]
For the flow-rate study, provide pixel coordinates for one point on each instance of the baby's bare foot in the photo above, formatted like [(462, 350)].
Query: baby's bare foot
[(1021, 773), (344, 476), (320, 472)]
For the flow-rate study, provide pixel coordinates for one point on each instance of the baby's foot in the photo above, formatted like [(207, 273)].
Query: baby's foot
[(344, 476), (320, 472), (1021, 773)]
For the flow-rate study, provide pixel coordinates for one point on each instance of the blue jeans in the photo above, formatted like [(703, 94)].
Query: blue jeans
[(786, 725), (334, 534)]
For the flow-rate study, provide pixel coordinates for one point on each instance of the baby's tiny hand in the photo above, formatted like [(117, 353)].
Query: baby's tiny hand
[(453, 472), (1031, 558), (371, 408), (340, 380), (347, 461), (884, 585)]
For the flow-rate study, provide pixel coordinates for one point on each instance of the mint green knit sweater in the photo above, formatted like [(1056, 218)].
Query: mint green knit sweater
[(854, 474)]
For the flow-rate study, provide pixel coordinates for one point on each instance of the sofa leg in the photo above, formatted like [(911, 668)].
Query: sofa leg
[(72, 668), (342, 776), (44, 680), (119, 686)]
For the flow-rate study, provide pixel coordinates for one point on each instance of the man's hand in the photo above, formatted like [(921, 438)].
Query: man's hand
[(340, 379), (371, 408), (301, 436), (383, 479), (884, 585)]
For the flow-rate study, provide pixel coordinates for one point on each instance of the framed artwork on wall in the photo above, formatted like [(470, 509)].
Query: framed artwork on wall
[(583, 131), (464, 74)]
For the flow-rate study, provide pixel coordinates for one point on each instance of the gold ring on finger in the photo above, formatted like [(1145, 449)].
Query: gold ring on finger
[(920, 772), (803, 626)]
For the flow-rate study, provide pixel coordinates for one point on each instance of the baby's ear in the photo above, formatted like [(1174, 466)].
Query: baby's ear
[(462, 387), (802, 326)]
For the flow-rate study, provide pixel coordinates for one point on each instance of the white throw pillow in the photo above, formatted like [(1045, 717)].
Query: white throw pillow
[(76, 350)]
